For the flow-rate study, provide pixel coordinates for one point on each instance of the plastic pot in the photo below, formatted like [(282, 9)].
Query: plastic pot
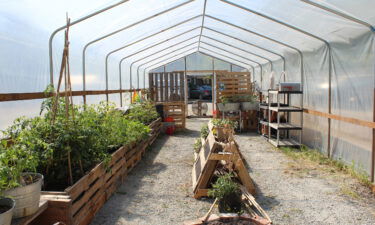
[(228, 107), (245, 106), (6, 217), (26, 197)]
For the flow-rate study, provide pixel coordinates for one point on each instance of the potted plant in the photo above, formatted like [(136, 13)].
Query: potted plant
[(228, 104), (6, 210), (228, 194), (248, 102), (23, 187), (223, 128)]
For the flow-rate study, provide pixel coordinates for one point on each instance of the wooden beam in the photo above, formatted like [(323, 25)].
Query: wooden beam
[(41, 95), (373, 144), (358, 122)]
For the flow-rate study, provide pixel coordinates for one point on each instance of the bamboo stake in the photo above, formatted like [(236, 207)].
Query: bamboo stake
[(209, 211)]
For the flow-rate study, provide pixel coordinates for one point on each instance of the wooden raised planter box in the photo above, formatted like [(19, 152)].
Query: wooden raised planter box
[(79, 203)]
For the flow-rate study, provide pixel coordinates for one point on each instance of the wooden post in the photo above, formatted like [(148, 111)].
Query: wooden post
[(373, 145), (182, 93), (151, 85), (171, 86), (161, 76), (166, 86)]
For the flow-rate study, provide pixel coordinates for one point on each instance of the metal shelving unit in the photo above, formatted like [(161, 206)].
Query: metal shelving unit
[(286, 126)]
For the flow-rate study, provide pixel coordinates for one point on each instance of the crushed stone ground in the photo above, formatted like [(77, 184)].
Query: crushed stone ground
[(158, 191)]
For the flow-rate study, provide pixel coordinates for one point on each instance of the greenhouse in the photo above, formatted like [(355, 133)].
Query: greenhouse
[(187, 112)]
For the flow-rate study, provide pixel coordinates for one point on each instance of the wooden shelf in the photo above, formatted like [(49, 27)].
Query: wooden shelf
[(43, 204), (284, 92), (285, 126), (284, 143), (286, 109)]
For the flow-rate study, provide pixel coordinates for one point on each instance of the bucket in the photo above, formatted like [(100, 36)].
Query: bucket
[(6, 217), (26, 197)]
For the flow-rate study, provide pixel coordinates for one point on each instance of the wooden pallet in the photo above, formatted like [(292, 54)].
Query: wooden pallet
[(79, 203), (213, 153), (176, 110), (232, 83)]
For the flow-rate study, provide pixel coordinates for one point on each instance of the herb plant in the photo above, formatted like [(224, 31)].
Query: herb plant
[(224, 123), (197, 145), (204, 131)]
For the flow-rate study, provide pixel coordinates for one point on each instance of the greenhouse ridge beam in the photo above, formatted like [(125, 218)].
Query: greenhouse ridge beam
[(346, 16), (282, 57), (131, 65), (205, 48), (202, 25), (71, 24), (217, 53), (120, 30)]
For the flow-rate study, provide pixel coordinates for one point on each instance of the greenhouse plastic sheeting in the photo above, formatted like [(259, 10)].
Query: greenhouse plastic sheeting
[(309, 39)]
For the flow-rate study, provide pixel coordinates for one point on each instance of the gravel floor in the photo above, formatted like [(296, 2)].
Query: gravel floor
[(158, 190)]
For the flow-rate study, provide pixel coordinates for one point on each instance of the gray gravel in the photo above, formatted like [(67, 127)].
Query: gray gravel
[(158, 190)]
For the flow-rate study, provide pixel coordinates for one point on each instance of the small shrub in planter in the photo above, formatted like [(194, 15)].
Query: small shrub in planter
[(223, 128), (204, 131), (25, 188), (144, 112), (228, 194), (228, 104), (6, 210), (197, 145), (64, 149), (248, 102)]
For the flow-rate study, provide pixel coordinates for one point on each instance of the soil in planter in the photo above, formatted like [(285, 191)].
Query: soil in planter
[(4, 208), (29, 179), (239, 222)]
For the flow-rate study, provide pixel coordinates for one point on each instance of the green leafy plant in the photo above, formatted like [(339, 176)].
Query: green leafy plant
[(197, 145), (228, 193), (144, 112), (45, 144), (204, 131), (224, 123), (248, 98), (14, 160)]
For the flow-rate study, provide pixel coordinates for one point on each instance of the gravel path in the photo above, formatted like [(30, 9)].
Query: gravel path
[(158, 190)]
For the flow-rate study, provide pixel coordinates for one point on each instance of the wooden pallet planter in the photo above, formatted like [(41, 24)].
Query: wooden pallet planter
[(176, 110), (212, 154), (79, 203), (232, 83)]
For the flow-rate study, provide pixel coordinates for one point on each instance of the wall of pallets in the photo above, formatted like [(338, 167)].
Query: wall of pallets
[(232, 84), (166, 87)]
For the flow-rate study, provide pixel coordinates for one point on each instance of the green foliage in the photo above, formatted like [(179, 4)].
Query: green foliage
[(224, 123), (228, 193), (204, 131), (42, 145), (13, 161), (144, 112), (247, 98), (197, 145), (223, 186)]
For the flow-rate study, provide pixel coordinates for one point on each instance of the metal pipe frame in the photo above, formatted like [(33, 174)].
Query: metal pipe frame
[(251, 44), (131, 65), (202, 25), (72, 24), (214, 57), (183, 47), (346, 16), (242, 29), (269, 61), (171, 46), (117, 31), (120, 69), (262, 36), (202, 48)]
